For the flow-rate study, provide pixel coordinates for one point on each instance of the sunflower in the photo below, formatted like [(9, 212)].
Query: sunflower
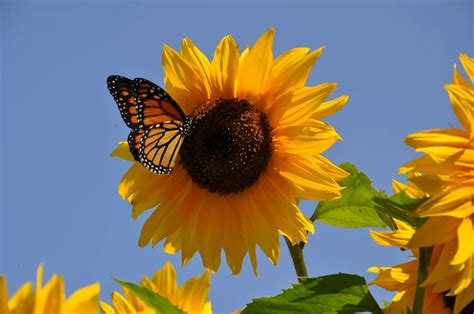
[(402, 277), (190, 297), (49, 299), (254, 148), (447, 176)]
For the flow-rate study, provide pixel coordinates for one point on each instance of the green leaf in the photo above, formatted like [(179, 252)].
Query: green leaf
[(356, 207), (151, 298), (340, 293), (400, 206)]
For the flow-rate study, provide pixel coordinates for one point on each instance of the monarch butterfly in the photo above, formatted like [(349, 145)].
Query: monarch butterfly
[(158, 124)]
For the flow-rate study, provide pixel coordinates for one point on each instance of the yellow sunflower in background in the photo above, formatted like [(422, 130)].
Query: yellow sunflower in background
[(48, 299), (191, 297), (447, 175), (402, 278), (254, 148)]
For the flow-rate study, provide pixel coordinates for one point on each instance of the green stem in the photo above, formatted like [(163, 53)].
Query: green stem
[(297, 256), (423, 266)]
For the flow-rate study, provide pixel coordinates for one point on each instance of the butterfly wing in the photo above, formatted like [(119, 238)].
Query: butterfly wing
[(154, 105), (134, 142), (156, 120), (121, 89), (159, 146)]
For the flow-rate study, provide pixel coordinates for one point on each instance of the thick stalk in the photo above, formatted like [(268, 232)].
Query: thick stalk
[(297, 256), (423, 267)]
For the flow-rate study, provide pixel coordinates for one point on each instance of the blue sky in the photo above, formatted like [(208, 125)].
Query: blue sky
[(59, 124)]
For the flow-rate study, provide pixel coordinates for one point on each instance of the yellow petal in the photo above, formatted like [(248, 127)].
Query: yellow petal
[(23, 300), (291, 69), (165, 280), (3, 295), (462, 100), (330, 107), (305, 103), (426, 164), (39, 295), (447, 283), (442, 267), (287, 59), (330, 168), (141, 188), (393, 278), (311, 137), (122, 151), (460, 157), (398, 186), (449, 137), (411, 190), (51, 297), (436, 230), (193, 293), (207, 308), (149, 228), (198, 60), (84, 300), (399, 237), (185, 82), (459, 79), (288, 218), (468, 64), (121, 304), (263, 227), (456, 202), (106, 308), (255, 69), (210, 218), (224, 68), (426, 185), (465, 239), (312, 182)]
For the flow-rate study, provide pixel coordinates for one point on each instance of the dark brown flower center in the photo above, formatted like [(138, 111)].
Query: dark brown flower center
[(228, 146)]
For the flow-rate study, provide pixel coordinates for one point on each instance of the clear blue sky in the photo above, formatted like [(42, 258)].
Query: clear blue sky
[(59, 124)]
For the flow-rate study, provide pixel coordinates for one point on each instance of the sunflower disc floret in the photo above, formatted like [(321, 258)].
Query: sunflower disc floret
[(229, 146)]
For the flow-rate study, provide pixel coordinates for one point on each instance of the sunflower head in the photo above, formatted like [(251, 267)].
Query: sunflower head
[(254, 146), (445, 173), (48, 299), (191, 297)]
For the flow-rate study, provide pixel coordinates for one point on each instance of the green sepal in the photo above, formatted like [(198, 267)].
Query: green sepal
[(151, 298), (356, 207), (338, 293), (400, 206)]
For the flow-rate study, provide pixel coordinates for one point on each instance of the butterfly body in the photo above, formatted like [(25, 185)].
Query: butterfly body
[(158, 124)]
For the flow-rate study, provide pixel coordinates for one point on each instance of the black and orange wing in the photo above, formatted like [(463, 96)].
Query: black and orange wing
[(121, 89), (159, 146), (154, 104), (134, 142)]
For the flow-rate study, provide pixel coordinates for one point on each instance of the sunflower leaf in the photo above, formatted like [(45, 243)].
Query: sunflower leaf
[(356, 207), (151, 298), (339, 293)]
